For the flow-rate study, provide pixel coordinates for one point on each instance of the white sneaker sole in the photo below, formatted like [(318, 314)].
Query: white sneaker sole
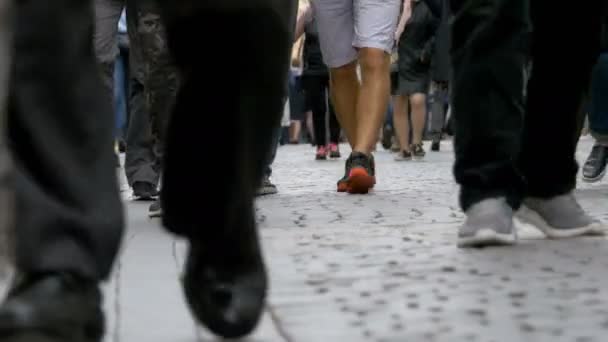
[(595, 179), (488, 237), (155, 214), (531, 217)]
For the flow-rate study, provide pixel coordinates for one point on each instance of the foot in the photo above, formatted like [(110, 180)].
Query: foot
[(225, 279), (403, 156), (418, 151), (334, 151), (595, 166), (52, 308), (267, 188), (436, 146), (387, 136), (321, 153), (395, 146), (361, 177), (156, 209), (488, 223), (559, 217), (343, 183), (144, 191)]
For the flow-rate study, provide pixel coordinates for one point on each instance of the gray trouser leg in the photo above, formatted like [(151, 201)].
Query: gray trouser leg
[(105, 39), (438, 112)]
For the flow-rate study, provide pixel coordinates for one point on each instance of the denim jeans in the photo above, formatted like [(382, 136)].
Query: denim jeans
[(598, 111)]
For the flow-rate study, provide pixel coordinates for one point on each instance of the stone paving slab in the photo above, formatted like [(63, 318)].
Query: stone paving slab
[(381, 267)]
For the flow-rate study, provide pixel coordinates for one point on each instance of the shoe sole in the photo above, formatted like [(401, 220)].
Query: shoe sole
[(531, 217), (488, 238), (335, 156), (155, 214), (595, 179), (403, 159), (321, 158), (359, 181)]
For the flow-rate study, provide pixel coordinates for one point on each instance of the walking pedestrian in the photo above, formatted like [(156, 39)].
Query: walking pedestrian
[(505, 162), (353, 33), (66, 239), (315, 82), (416, 35), (595, 166), (440, 76)]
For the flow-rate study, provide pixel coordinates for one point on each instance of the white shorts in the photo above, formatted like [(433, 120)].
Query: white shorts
[(347, 25)]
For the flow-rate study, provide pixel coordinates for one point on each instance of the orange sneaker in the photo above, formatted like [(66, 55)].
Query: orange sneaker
[(361, 177)]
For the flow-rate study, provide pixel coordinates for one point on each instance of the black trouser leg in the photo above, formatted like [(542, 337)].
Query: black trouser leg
[(141, 163), (489, 54), (315, 89), (334, 125), (6, 194), (69, 215), (248, 110), (555, 95)]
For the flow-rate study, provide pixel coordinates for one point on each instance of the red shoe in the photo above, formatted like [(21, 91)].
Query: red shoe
[(361, 177)]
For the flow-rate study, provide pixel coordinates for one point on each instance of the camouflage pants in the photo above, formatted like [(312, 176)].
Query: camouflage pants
[(153, 80), (160, 75)]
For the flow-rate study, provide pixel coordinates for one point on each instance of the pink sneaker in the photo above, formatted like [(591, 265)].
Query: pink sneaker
[(334, 151), (321, 153)]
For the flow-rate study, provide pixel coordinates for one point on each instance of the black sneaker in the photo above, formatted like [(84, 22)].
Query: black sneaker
[(53, 307), (343, 182), (436, 145), (156, 209), (387, 137), (144, 191), (418, 151), (267, 188), (595, 166), (361, 177)]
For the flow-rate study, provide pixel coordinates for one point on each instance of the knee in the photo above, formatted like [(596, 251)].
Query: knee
[(374, 60), (418, 100)]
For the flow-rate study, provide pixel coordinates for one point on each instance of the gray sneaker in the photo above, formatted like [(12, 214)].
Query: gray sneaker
[(559, 217), (489, 223), (267, 188), (156, 209)]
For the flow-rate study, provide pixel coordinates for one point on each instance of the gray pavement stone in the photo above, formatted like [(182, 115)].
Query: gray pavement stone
[(381, 267)]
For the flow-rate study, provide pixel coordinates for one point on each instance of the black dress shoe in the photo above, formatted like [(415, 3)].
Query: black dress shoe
[(225, 280), (52, 308), (595, 166)]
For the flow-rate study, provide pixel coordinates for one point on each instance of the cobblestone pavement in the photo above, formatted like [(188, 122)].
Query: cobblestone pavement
[(380, 267)]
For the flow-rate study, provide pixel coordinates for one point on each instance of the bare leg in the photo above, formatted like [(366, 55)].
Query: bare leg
[(294, 131), (401, 122), (344, 87), (418, 103), (372, 100)]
